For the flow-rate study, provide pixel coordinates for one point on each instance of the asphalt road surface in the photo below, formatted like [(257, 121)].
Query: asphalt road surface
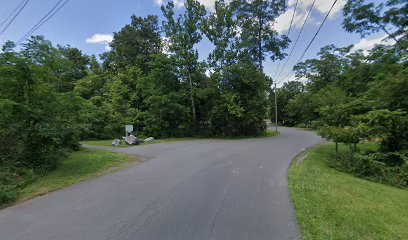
[(199, 189)]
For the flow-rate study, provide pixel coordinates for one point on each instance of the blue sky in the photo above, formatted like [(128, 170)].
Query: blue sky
[(77, 23)]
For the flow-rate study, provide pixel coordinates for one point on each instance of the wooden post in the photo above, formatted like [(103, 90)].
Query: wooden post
[(276, 111)]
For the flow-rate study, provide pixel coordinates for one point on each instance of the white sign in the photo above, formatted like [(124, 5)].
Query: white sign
[(129, 128)]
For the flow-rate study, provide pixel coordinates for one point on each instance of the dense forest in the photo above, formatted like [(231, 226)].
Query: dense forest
[(51, 97)]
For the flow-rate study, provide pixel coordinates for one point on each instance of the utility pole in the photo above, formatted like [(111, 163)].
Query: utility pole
[(276, 110)]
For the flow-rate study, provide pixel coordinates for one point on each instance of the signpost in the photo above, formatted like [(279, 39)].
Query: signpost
[(128, 129)]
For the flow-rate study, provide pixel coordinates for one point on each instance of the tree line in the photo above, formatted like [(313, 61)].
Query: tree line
[(54, 96), (356, 96)]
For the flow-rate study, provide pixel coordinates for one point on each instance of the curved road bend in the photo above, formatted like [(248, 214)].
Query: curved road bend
[(200, 189)]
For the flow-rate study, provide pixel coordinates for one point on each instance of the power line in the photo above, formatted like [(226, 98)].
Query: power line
[(12, 13), (293, 16), (31, 31), (277, 69), (43, 20), (287, 35), (52, 15), (311, 41), (16, 12), (297, 39)]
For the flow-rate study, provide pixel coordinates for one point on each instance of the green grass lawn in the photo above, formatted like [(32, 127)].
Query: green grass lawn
[(79, 166), (108, 143), (333, 205)]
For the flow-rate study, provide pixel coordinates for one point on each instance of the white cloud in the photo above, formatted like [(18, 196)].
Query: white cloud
[(283, 21), (100, 38), (158, 2), (321, 7), (179, 3), (367, 44), (209, 4)]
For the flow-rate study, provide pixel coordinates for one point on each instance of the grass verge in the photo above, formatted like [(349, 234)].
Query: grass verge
[(108, 143), (333, 205), (105, 143), (79, 166)]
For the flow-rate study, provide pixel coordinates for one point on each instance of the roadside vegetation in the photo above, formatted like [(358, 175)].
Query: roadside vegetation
[(108, 143), (334, 205), (77, 167), (353, 96)]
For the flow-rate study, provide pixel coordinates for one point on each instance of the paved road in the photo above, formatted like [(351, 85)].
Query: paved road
[(201, 189)]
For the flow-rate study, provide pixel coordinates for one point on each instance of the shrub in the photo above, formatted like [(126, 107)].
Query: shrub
[(12, 179), (8, 193), (389, 168)]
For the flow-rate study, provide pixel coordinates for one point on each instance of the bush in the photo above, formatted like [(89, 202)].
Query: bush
[(39, 117), (12, 179), (389, 168), (8, 194)]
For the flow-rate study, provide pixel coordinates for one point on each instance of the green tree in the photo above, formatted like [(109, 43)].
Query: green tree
[(327, 69), (219, 29), (183, 34), (347, 135), (390, 88), (37, 122), (301, 110), (122, 99), (389, 126), (135, 44), (165, 111), (287, 92), (61, 66), (367, 18), (241, 105), (257, 36)]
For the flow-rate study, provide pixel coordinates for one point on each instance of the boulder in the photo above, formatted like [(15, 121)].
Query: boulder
[(149, 139), (116, 142), (131, 140)]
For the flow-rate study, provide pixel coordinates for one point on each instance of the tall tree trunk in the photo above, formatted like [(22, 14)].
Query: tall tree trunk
[(192, 99), (260, 56)]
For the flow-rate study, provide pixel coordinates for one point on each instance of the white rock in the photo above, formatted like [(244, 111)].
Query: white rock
[(131, 140), (149, 139), (116, 142)]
